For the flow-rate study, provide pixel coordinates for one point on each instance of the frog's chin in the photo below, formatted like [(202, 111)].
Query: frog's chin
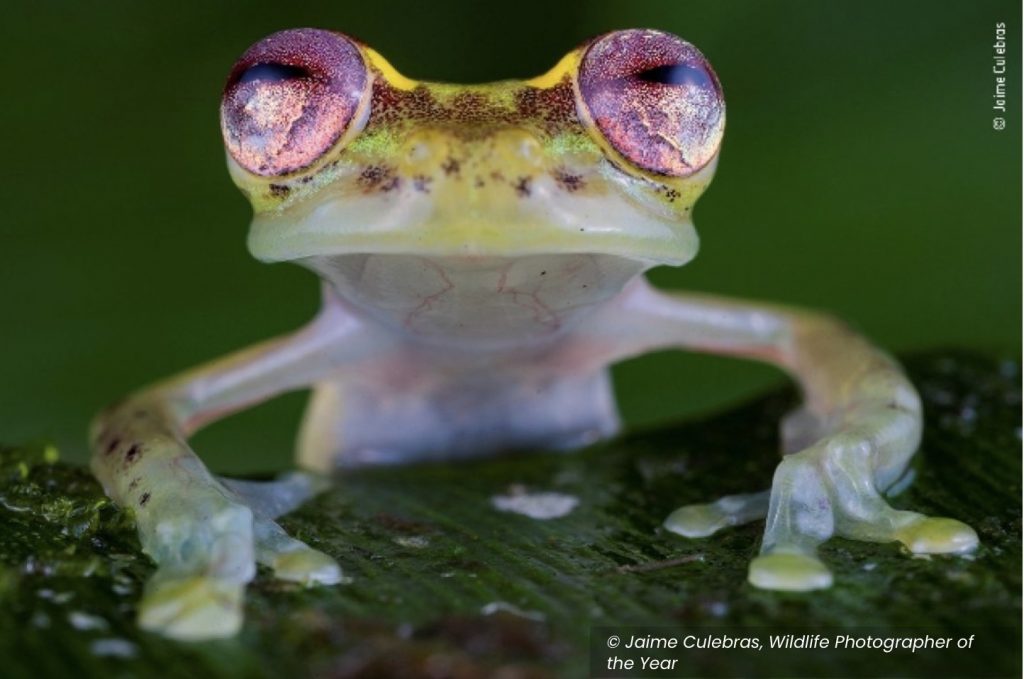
[(483, 302), (418, 227)]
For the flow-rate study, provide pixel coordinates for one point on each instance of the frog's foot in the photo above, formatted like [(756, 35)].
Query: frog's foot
[(289, 558), (191, 607), (700, 521), (206, 547), (203, 546), (830, 489)]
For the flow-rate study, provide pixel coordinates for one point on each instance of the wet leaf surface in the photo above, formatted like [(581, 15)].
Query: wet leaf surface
[(444, 584)]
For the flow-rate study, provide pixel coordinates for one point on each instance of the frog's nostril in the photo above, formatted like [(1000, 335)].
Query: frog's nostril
[(530, 150), (517, 147), (419, 152), (423, 151)]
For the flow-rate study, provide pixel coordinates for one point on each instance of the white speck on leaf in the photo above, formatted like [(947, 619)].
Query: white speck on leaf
[(506, 607), (113, 648), (84, 621), (55, 597), (541, 506), (718, 608)]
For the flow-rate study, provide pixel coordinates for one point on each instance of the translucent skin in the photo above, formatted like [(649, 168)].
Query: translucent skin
[(482, 251)]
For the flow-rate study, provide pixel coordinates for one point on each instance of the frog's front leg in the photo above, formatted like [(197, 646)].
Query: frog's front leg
[(205, 535), (852, 439)]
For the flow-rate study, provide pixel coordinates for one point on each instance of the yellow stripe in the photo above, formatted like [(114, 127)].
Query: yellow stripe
[(566, 66), (390, 74)]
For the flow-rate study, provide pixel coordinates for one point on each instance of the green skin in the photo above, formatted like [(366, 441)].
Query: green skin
[(475, 309)]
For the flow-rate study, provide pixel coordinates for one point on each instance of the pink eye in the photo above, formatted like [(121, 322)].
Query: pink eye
[(289, 99), (655, 99)]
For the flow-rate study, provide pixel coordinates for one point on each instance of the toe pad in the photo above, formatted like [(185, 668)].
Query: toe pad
[(938, 536), (789, 572)]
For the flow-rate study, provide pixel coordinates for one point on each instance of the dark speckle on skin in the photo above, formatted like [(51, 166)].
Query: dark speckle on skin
[(474, 114), (134, 483), (450, 166), (279, 190), (422, 183), (568, 181), (390, 185), (554, 107), (112, 445), (373, 175), (144, 499), (522, 187), (133, 453)]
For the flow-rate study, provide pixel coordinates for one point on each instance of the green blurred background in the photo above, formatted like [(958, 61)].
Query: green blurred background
[(860, 174)]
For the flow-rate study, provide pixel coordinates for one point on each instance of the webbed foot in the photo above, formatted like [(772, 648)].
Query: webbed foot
[(828, 489), (207, 546)]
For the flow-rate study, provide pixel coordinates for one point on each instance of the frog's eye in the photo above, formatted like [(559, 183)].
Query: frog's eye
[(654, 99), (289, 99)]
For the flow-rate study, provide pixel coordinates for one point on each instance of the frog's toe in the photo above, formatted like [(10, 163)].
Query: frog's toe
[(291, 559), (699, 521), (931, 535), (696, 521), (872, 519), (789, 572), (192, 608), (305, 566)]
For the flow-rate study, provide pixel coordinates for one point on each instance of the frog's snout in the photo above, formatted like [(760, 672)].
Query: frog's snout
[(477, 155)]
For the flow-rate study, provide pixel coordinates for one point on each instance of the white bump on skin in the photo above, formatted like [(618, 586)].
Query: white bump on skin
[(542, 506)]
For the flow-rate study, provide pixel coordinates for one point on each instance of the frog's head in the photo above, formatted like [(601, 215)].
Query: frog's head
[(340, 154)]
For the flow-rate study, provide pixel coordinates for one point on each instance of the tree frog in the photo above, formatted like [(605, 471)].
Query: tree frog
[(482, 252)]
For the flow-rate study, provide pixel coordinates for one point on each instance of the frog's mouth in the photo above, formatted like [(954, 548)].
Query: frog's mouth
[(548, 221)]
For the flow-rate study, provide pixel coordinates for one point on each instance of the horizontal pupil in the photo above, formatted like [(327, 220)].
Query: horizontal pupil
[(675, 74), (272, 73)]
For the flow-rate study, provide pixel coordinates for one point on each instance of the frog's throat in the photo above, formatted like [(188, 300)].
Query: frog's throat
[(342, 228)]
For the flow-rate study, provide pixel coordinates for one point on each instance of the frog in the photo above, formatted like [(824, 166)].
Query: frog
[(482, 253)]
